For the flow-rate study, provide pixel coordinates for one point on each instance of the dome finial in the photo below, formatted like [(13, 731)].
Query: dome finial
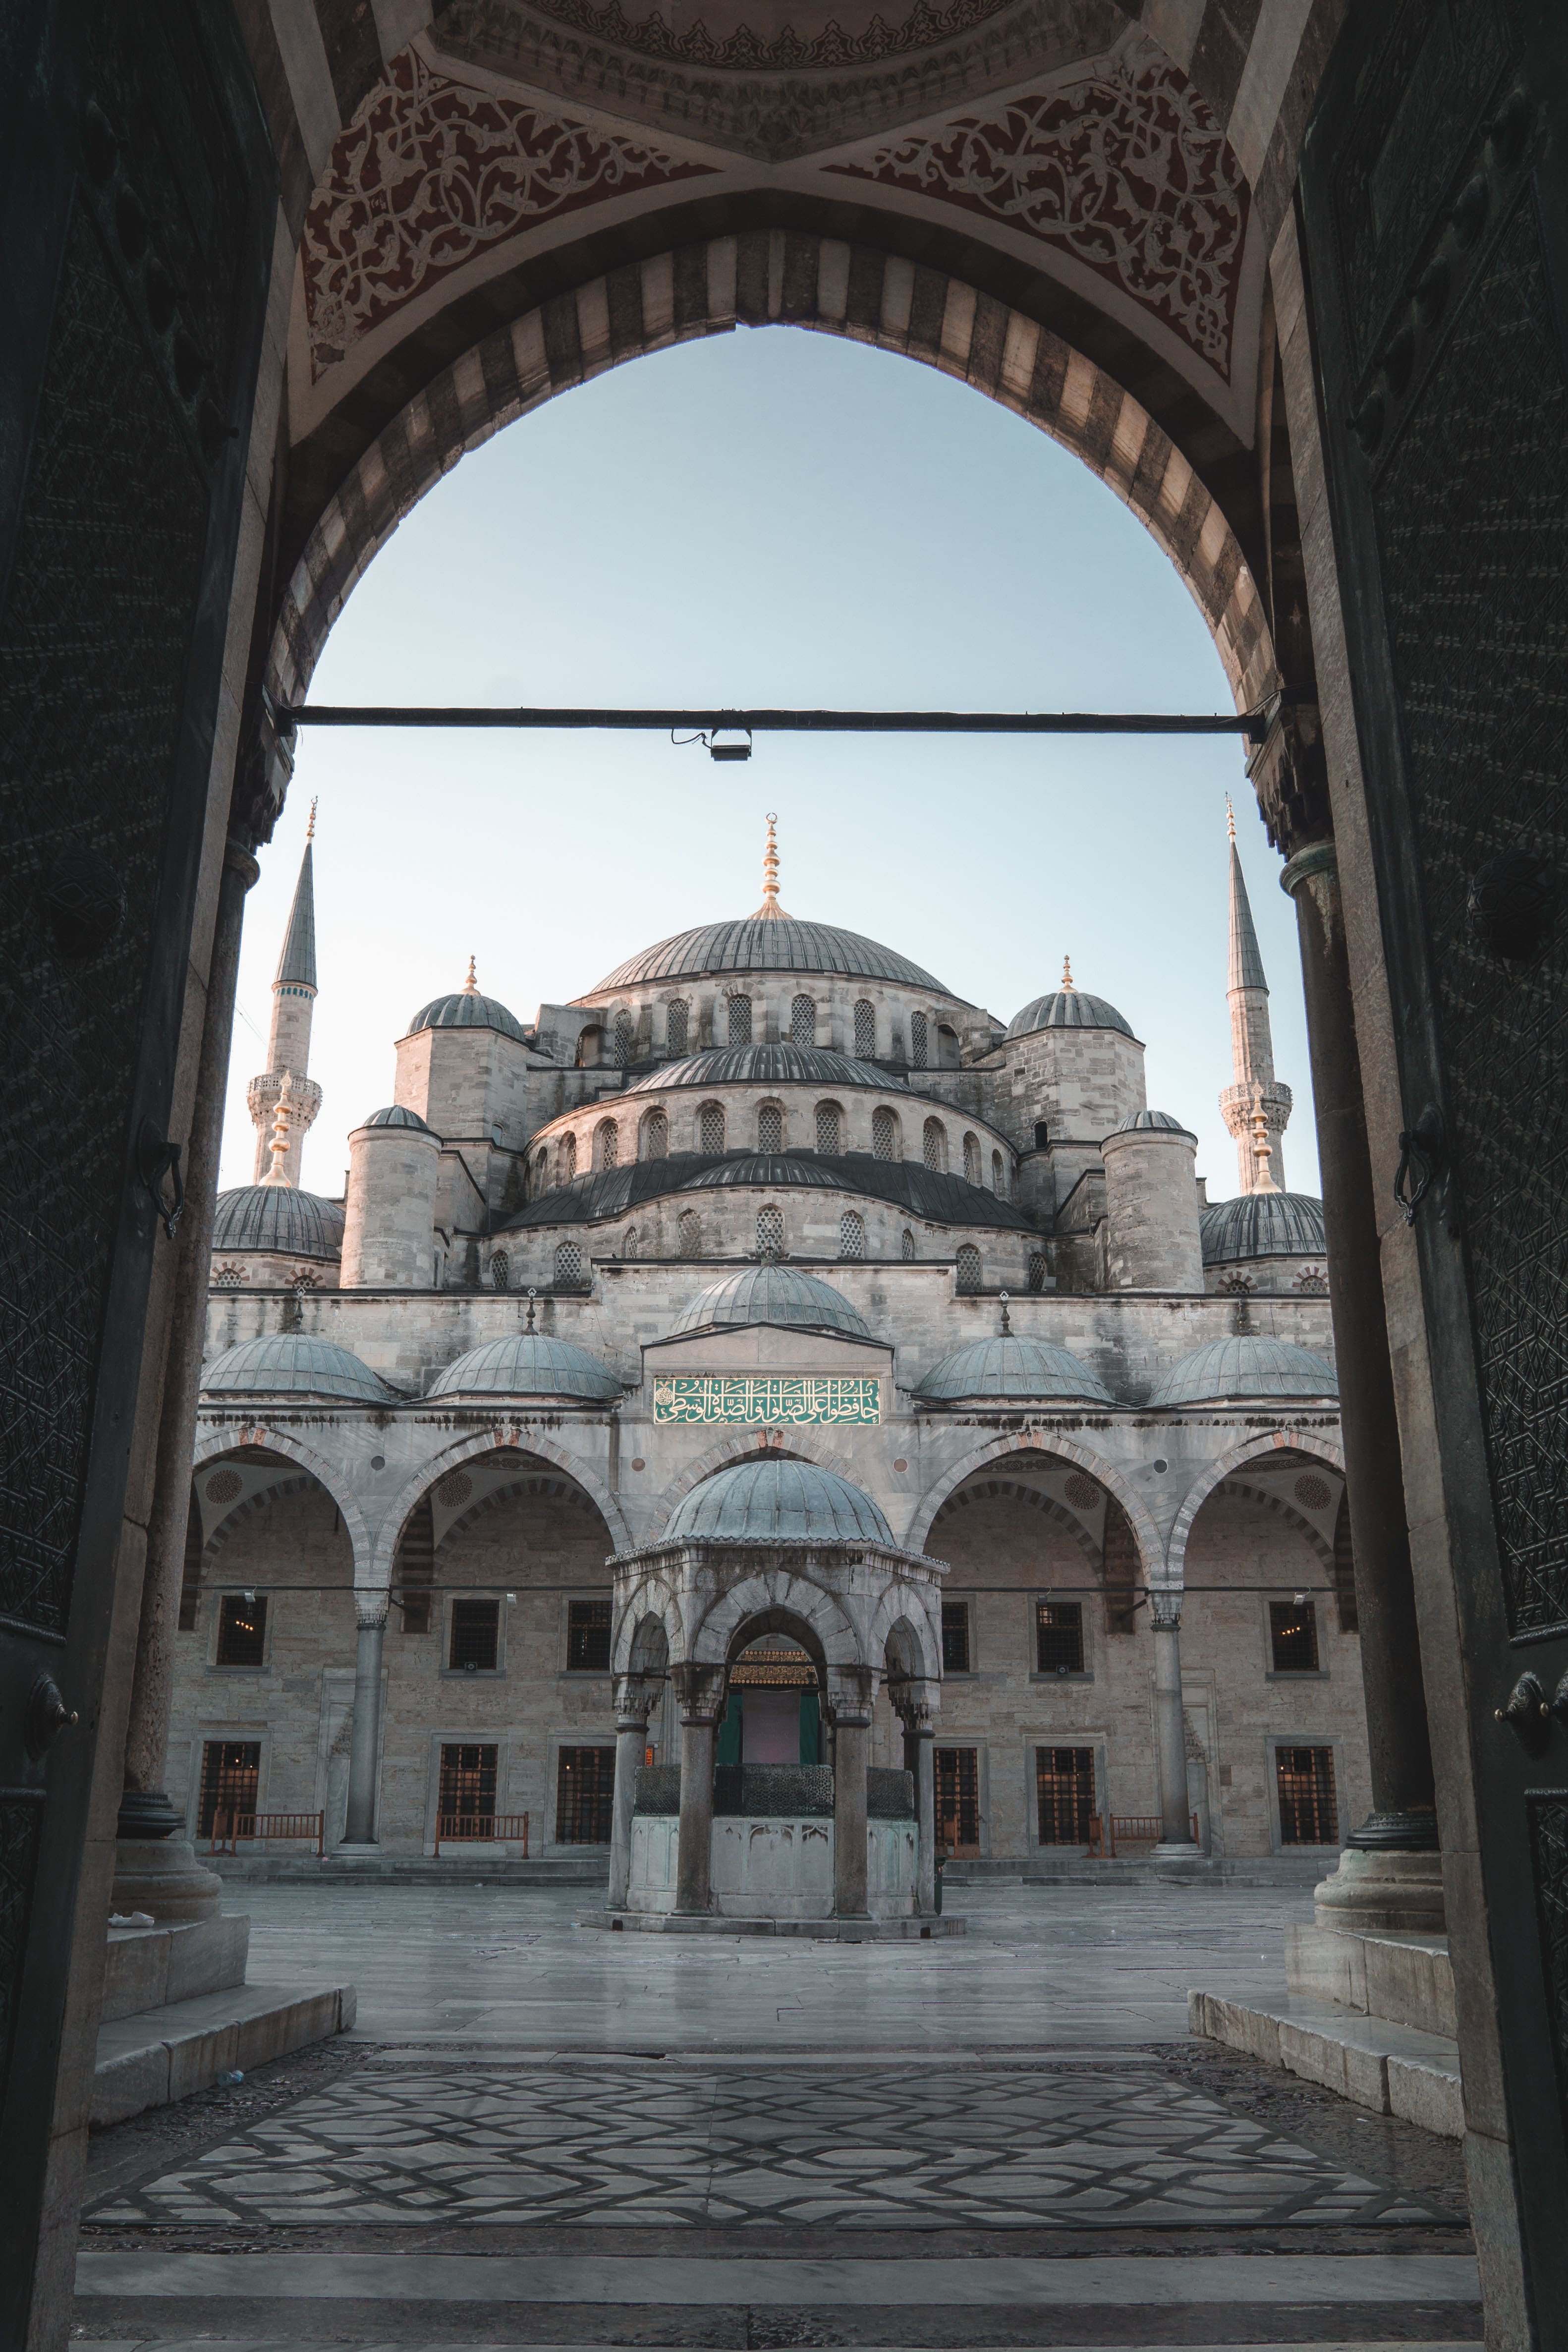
[(1262, 1152), (282, 1120), (1006, 1319), (532, 1297), (310, 828), (1067, 981), (1229, 816), (770, 911), (471, 985)]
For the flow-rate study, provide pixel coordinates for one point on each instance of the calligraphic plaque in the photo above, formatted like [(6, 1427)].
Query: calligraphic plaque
[(764, 1397)]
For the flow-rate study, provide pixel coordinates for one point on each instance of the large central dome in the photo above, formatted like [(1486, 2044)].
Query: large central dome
[(758, 943)]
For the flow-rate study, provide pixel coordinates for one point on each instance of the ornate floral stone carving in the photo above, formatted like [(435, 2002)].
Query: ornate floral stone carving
[(428, 174), (743, 49), (1127, 170)]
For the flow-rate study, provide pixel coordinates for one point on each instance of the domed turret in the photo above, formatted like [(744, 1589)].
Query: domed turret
[(389, 1223), (467, 1010), (1244, 1367), (1012, 1366), (1152, 1205), (771, 1294), (529, 1364), (1067, 1007), (777, 1502), (291, 1363)]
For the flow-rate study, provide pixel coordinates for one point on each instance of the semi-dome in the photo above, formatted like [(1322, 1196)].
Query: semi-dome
[(777, 1502), (765, 1065), (467, 1009), (772, 1171), (1010, 1366), (278, 1218), (1262, 1224), (1138, 1121), (764, 943), (1246, 1366), (528, 1363), (398, 1115), (291, 1363), (771, 1292), (1067, 1008)]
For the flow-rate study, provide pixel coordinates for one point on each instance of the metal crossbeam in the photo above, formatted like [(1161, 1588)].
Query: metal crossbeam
[(1253, 725)]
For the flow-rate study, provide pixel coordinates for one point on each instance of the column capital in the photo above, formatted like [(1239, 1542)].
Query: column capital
[(1291, 775), (1165, 1611), (370, 1609), (635, 1697), (700, 1691), (849, 1693)]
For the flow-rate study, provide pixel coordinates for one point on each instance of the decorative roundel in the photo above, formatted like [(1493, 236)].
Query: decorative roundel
[(223, 1485), (454, 1490), (1313, 1493), (1081, 1493)]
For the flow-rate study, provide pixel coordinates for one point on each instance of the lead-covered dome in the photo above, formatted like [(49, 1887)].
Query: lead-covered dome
[(771, 1292), (1010, 1366), (467, 1009), (1067, 1008), (765, 1065), (1144, 1122), (399, 1115), (767, 943), (291, 1363), (1262, 1224), (278, 1218), (528, 1363), (1244, 1367), (777, 1502)]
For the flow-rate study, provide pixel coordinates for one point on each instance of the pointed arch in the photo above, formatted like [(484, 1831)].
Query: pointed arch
[(1151, 1546), (499, 1435), (1213, 1473), (230, 1438)]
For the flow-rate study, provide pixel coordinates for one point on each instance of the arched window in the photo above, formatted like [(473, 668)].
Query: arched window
[(227, 1277), (566, 1167), (866, 1029), (851, 1235), (691, 1233), (907, 1246), (625, 1040), (968, 1270), (946, 1046), (884, 1135), (919, 1040), (501, 1269), (568, 1267), (769, 1127), (770, 1230), (590, 1048), (606, 1144), (1037, 1269), (541, 1168), (829, 1129), (655, 1136), (740, 1021), (972, 1159), (998, 1176), (629, 1246), (1042, 1134), (802, 1020), (933, 1145), (676, 1016), (711, 1127)]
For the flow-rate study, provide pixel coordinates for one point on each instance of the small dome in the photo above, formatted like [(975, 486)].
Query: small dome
[(1245, 1367), (777, 1502), (765, 1065), (770, 1293), (288, 1363), (758, 943), (1009, 1366), (1140, 1120), (278, 1218), (467, 1010), (528, 1363), (1067, 1008), (1262, 1224), (399, 1115)]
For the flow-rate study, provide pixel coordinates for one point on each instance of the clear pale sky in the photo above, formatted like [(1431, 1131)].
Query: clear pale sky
[(771, 516)]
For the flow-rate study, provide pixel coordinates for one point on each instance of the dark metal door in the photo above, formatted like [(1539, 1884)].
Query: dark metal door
[(137, 200), (1434, 201)]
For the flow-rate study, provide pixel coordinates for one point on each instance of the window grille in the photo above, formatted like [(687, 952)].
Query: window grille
[(678, 1015), (710, 1127), (1293, 1637), (241, 1631), (467, 1785), (884, 1135), (769, 1127), (968, 1271), (1064, 1794), (919, 1040), (866, 1030), (691, 1233), (907, 1246), (851, 1235), (1313, 1281), (955, 1637), (933, 1144), (802, 1020), (568, 1267), (770, 1231), (972, 1159), (957, 1776), (584, 1795), (227, 1277), (568, 1157), (740, 1021), (829, 1138), (626, 1041), (1058, 1637), (588, 1637), (231, 1773), (1308, 1814), (1037, 1270), (474, 1644), (629, 1246), (655, 1136), (501, 1269), (606, 1144), (998, 1175)]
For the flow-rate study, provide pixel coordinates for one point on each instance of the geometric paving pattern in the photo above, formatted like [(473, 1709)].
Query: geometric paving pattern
[(871, 2147)]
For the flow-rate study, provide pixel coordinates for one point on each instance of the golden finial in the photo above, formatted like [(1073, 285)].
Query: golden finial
[(1067, 981), (470, 986), (1230, 817), (310, 828), (770, 911), (277, 1173), (1006, 1319), (1262, 1152)]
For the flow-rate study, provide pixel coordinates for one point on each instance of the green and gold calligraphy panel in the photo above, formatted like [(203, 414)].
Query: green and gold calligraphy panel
[(764, 1397)]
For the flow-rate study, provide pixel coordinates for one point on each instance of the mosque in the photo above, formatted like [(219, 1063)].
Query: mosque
[(769, 1427)]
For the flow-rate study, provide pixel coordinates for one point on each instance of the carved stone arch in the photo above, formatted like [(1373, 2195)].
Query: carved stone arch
[(557, 1489), (1146, 1535), (728, 1451), (248, 1508), (1246, 1449), (1058, 1513), (1321, 1549), (512, 1436), (921, 1612), (770, 1590), (228, 1440), (653, 1595)]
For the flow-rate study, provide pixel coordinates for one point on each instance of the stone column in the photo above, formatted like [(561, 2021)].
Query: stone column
[(851, 1703), (365, 1752), (1389, 1877), (700, 1691), (635, 1699), (920, 1760), (1169, 1728)]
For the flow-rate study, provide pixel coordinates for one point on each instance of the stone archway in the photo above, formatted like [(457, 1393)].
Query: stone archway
[(508, 1435), (219, 1441), (1146, 1535), (1301, 1441)]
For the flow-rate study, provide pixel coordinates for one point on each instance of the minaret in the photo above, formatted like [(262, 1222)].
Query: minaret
[(1256, 1106), (770, 911), (275, 1114)]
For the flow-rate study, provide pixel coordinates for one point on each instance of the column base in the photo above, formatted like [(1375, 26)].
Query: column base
[(148, 1813), (162, 1876), (1386, 1891)]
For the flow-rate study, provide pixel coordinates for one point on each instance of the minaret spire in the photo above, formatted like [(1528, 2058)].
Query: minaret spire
[(770, 911), (1254, 1105), (279, 1120)]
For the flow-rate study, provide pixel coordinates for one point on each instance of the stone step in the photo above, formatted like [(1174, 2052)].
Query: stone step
[(1408, 1980), (165, 2054), (905, 1929), (146, 1966), (1392, 2069), (490, 1868)]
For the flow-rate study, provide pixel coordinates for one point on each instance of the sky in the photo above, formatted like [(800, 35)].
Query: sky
[(771, 516)]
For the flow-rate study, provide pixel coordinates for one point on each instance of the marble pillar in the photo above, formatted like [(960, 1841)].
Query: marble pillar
[(1170, 1728), (919, 1762), (849, 1700), (365, 1750), (700, 1692), (635, 1700)]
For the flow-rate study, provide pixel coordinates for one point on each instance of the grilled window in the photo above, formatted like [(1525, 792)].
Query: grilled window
[(606, 1144), (1037, 1269), (568, 1157), (568, 1267), (933, 1145), (968, 1271), (865, 1029), (998, 1175), (957, 1777), (1308, 1814), (955, 1637), (919, 1040), (770, 1230), (501, 1269), (476, 1637), (241, 1630), (740, 1021), (884, 1135), (711, 1127), (690, 1231), (655, 1136), (626, 1041), (972, 1159), (467, 1785), (585, 1793), (802, 1020), (231, 1770), (851, 1235), (588, 1637), (1293, 1637), (829, 1129), (769, 1127), (907, 1246), (678, 1015), (1064, 1794), (1058, 1637)]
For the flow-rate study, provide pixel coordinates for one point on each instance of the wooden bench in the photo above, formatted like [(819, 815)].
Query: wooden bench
[(1107, 1830), (228, 1829), (482, 1829)]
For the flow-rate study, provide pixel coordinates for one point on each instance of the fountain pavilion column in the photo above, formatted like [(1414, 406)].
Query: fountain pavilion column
[(915, 1709), (849, 1703), (635, 1697), (700, 1691), (365, 1749)]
